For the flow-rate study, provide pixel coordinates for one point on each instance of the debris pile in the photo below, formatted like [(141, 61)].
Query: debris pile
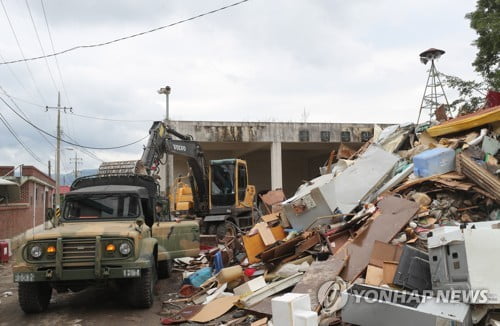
[(381, 237)]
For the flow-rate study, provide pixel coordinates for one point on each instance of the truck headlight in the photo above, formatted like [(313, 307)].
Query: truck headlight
[(125, 248), (36, 251)]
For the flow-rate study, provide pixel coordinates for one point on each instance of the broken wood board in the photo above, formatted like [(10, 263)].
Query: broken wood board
[(281, 251), (479, 175), (265, 233), (389, 271), (272, 198), (394, 214), (446, 176), (318, 274), (384, 252), (374, 275), (254, 245), (345, 151), (303, 246), (214, 309), (271, 217)]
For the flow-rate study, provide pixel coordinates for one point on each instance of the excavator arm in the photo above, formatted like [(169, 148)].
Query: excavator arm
[(161, 142)]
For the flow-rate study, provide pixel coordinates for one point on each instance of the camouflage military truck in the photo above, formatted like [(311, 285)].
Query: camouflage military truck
[(108, 232)]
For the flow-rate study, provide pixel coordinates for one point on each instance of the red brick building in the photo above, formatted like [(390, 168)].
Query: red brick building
[(37, 192)]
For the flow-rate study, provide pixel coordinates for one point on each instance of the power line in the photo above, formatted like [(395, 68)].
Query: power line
[(77, 114), (54, 50), (14, 75), (21, 50), (125, 37), (108, 119), (13, 133), (40, 43), (25, 115), (65, 141), (86, 151)]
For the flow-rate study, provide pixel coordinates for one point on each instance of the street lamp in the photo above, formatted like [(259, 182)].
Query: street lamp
[(170, 161), (165, 90)]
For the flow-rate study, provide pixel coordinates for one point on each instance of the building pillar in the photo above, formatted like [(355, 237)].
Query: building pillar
[(170, 171), (163, 178), (276, 166)]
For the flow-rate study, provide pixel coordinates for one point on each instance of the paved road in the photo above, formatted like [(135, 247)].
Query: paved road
[(92, 306)]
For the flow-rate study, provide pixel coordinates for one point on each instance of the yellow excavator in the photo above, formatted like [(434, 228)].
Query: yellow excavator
[(218, 193)]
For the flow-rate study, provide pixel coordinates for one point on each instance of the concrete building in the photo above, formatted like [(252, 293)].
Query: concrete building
[(27, 194), (279, 154)]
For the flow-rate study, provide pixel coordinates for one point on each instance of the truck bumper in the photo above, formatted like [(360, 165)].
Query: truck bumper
[(32, 273)]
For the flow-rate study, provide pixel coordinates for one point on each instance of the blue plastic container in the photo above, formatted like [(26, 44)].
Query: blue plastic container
[(199, 277), (434, 161)]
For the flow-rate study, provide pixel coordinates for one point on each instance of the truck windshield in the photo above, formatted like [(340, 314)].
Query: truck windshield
[(101, 207)]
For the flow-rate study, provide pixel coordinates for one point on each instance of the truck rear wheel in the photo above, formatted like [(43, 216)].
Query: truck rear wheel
[(34, 297), (165, 268), (141, 291)]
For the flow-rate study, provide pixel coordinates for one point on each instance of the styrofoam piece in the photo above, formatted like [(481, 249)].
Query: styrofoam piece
[(305, 318), (285, 306), (250, 286)]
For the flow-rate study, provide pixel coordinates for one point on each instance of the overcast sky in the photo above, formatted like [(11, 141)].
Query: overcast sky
[(338, 61)]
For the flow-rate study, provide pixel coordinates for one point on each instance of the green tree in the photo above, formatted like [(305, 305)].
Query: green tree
[(486, 21), (471, 94)]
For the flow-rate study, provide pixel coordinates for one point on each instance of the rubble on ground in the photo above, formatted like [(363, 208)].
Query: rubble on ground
[(370, 241)]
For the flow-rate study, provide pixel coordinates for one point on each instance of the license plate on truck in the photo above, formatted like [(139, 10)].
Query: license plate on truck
[(24, 277), (132, 272)]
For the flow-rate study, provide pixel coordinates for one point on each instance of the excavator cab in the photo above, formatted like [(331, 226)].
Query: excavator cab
[(228, 182)]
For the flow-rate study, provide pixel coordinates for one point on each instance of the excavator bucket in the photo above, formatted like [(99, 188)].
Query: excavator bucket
[(122, 168)]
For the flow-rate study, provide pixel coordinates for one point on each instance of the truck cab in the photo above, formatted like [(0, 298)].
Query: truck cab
[(108, 232)]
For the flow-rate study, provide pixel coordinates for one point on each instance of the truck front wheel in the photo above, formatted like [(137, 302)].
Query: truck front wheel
[(141, 291), (34, 297)]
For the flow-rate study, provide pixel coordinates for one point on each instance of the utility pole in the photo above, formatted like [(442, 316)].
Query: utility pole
[(58, 150), (50, 170), (77, 160)]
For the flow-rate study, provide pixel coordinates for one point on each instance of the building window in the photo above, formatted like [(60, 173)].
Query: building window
[(303, 135), (325, 136), (345, 136), (365, 136)]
